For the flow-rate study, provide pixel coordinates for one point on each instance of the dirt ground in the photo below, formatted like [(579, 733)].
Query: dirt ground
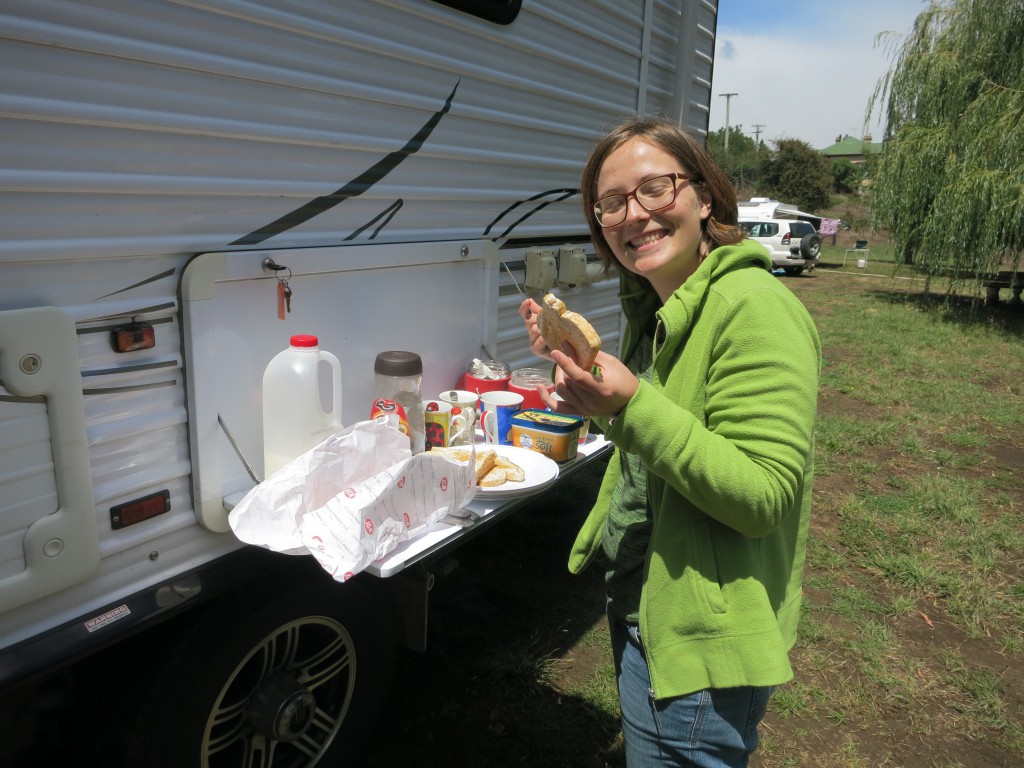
[(512, 637)]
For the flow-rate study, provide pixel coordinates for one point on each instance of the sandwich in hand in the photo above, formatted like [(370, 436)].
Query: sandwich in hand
[(568, 332)]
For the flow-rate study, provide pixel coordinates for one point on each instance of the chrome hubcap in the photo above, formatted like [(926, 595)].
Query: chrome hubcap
[(282, 709)]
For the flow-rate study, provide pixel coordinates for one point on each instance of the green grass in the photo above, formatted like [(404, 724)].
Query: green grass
[(915, 582)]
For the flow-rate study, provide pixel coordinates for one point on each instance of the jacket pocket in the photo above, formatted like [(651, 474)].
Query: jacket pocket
[(707, 560)]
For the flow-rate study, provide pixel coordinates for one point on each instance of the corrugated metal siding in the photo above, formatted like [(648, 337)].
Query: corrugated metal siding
[(212, 120), (695, 53)]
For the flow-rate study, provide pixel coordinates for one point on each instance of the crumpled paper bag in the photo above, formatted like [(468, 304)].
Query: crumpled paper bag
[(353, 498)]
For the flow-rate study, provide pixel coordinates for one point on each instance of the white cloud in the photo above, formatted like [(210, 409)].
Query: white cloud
[(805, 78)]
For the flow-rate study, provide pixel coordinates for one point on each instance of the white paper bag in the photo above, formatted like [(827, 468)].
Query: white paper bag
[(353, 498)]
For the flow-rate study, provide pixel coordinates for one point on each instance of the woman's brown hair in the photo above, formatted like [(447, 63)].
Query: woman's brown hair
[(720, 228)]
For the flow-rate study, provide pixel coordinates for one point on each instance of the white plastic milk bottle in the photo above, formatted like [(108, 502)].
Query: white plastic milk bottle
[(294, 414)]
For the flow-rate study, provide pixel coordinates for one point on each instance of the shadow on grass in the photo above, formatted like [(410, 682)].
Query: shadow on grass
[(486, 691), (1004, 317), (824, 265)]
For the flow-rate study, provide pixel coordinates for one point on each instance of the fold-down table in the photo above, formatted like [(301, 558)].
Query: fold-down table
[(442, 535)]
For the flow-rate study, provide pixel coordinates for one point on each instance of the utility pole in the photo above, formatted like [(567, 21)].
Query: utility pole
[(757, 135), (728, 101)]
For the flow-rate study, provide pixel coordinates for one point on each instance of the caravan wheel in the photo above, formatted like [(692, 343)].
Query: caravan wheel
[(294, 681)]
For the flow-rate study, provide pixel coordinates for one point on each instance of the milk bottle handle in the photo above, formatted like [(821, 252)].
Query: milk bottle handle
[(332, 360)]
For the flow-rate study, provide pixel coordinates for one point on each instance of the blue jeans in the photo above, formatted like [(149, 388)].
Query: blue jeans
[(713, 728)]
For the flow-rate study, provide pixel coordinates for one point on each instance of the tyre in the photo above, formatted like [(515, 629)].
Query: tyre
[(293, 680), (810, 246)]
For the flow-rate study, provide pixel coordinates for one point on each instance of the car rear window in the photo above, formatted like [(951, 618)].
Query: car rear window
[(801, 228), (760, 228)]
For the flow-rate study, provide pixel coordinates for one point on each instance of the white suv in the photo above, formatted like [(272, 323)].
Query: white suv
[(794, 245)]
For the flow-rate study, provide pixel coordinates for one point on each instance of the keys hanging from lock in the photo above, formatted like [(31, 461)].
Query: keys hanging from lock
[(284, 298), (284, 291)]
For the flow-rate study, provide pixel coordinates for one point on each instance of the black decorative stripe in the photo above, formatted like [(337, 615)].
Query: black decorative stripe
[(387, 214), (130, 312), (354, 188), (148, 280), (562, 195)]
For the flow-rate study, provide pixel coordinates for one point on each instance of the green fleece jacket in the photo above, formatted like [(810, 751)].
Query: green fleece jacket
[(726, 431)]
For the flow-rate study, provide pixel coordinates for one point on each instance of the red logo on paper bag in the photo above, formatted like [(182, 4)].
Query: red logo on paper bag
[(348, 575), (350, 493), (406, 520), (401, 482), (384, 407), (368, 526), (444, 483)]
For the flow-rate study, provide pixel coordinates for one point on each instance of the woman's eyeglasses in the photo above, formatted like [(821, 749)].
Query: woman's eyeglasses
[(654, 194)]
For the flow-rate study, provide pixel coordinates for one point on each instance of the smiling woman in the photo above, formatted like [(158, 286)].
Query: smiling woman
[(702, 516)]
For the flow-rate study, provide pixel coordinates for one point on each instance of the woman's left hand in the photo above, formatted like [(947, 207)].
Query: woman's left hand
[(602, 391)]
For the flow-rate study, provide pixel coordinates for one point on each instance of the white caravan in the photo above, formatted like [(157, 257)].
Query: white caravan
[(164, 165)]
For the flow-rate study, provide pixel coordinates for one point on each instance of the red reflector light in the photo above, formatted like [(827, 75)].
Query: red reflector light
[(136, 511), (128, 338)]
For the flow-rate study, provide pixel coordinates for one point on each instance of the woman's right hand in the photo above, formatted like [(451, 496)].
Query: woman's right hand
[(529, 310)]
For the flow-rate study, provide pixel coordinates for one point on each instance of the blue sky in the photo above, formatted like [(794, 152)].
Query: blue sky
[(804, 69)]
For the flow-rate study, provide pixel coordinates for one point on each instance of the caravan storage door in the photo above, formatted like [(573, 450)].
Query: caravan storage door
[(430, 298)]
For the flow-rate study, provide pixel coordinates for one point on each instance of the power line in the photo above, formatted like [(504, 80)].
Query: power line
[(757, 135)]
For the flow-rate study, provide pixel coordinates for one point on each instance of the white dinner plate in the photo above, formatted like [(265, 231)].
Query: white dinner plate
[(541, 472)]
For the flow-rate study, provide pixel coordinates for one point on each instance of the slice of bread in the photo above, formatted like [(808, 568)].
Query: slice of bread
[(568, 332), (459, 454), (513, 472), (495, 477), (485, 462)]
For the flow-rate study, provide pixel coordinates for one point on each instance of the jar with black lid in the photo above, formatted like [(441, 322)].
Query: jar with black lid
[(398, 379)]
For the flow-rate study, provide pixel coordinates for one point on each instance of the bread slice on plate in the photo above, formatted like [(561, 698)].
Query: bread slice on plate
[(513, 472), (494, 477), (485, 461), (459, 454)]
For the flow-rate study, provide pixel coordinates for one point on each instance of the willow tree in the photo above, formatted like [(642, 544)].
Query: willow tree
[(949, 184)]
